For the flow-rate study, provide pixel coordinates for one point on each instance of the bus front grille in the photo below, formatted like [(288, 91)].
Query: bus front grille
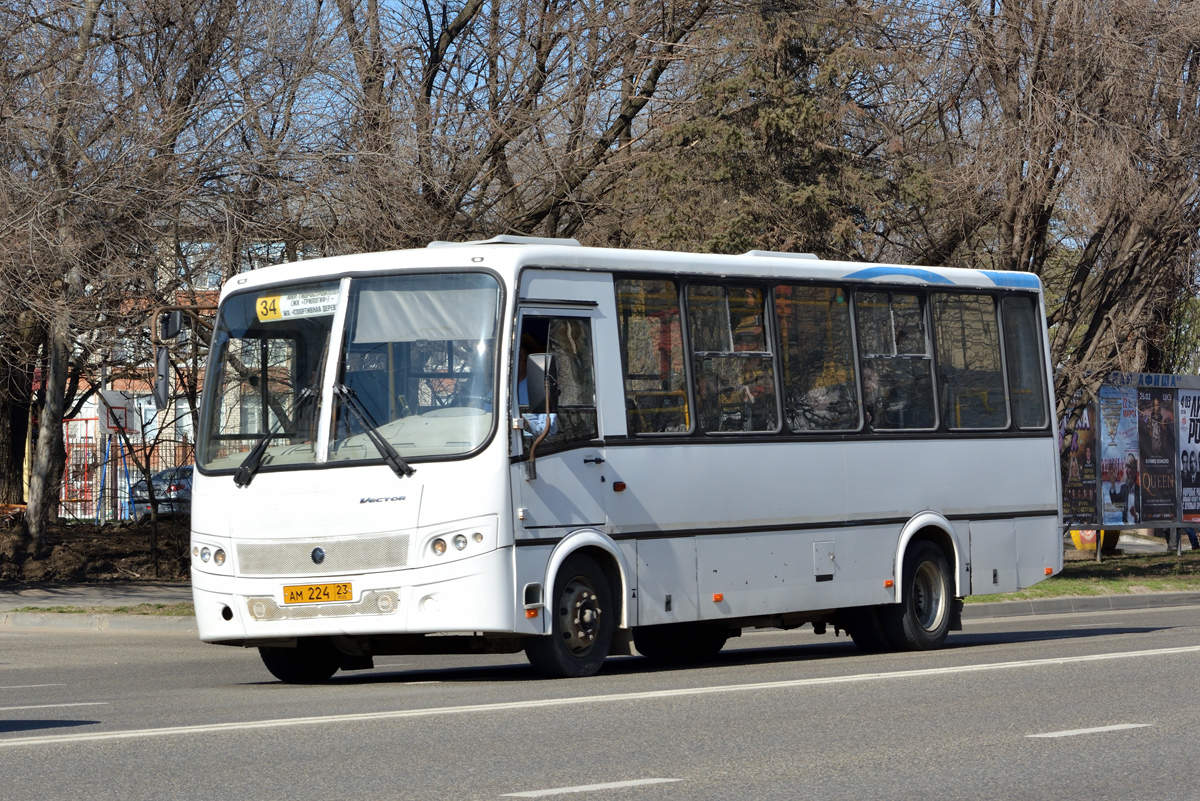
[(326, 556)]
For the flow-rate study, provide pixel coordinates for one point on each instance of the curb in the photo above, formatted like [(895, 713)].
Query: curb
[(1070, 605), (102, 622)]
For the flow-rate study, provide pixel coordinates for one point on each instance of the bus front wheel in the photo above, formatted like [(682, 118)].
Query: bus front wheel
[(581, 622), (921, 620), (312, 661)]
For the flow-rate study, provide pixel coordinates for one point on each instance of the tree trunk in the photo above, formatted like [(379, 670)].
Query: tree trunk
[(14, 425), (43, 486)]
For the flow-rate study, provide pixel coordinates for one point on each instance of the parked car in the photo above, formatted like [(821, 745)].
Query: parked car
[(172, 492)]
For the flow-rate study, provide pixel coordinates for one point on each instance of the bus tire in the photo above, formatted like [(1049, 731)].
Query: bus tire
[(865, 628), (581, 622), (312, 661), (921, 621), (680, 642)]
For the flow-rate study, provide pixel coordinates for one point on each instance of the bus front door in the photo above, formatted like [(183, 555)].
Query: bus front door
[(565, 488)]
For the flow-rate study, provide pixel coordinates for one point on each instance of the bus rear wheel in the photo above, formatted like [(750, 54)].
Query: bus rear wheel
[(680, 642), (312, 661), (581, 622), (921, 621)]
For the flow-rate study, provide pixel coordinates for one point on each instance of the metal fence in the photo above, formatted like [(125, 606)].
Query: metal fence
[(100, 471)]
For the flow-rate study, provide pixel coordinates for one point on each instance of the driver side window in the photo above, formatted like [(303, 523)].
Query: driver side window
[(569, 340)]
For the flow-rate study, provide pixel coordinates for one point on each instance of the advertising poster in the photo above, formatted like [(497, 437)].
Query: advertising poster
[(1189, 454), (1119, 468), (1156, 440), (1079, 465)]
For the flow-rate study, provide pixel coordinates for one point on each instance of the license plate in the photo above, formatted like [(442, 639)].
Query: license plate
[(317, 593)]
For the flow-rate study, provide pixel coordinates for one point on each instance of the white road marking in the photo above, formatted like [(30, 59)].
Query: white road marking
[(586, 788), (29, 686), (584, 700), (52, 706), (1096, 730)]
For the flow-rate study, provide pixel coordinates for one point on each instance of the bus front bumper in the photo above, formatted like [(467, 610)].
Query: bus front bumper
[(465, 596)]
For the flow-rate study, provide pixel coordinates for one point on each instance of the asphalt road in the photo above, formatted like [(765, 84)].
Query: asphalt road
[(787, 715)]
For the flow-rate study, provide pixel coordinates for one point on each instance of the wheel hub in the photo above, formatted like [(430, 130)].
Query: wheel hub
[(579, 615), (929, 596)]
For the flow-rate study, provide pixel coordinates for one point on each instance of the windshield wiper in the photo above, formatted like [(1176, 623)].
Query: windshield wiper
[(249, 467), (400, 467)]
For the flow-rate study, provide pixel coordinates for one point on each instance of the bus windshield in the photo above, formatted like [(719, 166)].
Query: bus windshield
[(420, 359), (417, 357), (269, 351)]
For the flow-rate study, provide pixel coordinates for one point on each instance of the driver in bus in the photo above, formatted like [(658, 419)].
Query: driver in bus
[(534, 423)]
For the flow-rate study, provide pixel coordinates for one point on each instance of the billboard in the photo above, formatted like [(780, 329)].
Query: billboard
[(1189, 455), (1119, 455), (1080, 459), (1156, 445)]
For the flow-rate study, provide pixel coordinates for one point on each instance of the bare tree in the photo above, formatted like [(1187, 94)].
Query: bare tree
[(99, 99)]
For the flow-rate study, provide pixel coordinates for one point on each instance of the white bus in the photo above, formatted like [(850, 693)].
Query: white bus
[(528, 444)]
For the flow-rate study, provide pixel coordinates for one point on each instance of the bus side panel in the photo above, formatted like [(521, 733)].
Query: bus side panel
[(667, 591), (993, 556), (770, 573), (529, 567), (1038, 547)]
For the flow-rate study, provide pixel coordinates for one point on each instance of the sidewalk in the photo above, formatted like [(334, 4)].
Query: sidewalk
[(133, 593), (95, 595)]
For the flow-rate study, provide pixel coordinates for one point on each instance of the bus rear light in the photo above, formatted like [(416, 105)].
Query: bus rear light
[(531, 613), (718, 597), (889, 583)]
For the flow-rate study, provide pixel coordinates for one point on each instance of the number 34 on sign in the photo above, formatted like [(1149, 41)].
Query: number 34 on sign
[(293, 305)]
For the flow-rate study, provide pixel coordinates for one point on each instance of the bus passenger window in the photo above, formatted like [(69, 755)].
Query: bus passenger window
[(819, 384), (1023, 352), (897, 372), (656, 398), (970, 378), (734, 368)]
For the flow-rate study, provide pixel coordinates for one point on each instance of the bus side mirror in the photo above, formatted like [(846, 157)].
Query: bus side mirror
[(170, 324), (162, 375), (541, 382)]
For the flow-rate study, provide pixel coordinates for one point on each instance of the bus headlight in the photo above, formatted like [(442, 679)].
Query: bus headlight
[(460, 541), (439, 546), (219, 557), (205, 554)]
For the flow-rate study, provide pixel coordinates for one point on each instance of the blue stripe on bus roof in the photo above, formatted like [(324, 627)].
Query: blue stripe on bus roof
[(1013, 279), (908, 272), (1004, 278)]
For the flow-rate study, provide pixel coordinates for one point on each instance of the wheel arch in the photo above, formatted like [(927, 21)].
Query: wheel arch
[(935, 528), (606, 553)]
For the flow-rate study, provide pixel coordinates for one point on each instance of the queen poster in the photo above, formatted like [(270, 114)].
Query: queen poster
[(1156, 441)]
